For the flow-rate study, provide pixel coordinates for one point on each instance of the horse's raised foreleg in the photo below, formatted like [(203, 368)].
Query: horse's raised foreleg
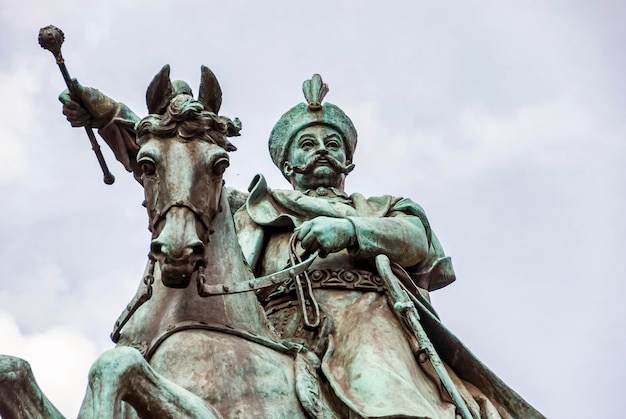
[(20, 396), (122, 374)]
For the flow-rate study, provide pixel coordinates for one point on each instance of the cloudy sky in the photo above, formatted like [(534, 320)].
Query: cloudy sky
[(505, 120)]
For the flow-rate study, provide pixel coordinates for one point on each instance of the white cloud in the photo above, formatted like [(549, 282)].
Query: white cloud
[(59, 357), (560, 133), (503, 121), (17, 116), (553, 128), (88, 302)]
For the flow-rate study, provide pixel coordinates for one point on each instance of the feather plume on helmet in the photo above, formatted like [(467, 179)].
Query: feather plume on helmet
[(306, 114)]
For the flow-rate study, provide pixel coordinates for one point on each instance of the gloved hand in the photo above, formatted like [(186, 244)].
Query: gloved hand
[(326, 234), (91, 108)]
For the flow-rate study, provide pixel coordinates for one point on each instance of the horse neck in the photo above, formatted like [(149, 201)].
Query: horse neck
[(225, 261), (169, 307)]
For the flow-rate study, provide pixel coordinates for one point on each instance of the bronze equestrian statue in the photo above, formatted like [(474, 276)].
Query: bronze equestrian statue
[(308, 302)]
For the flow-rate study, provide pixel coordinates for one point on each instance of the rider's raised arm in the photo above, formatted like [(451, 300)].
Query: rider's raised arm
[(115, 122)]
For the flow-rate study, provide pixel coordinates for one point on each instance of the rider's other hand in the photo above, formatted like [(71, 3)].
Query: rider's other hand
[(326, 234), (91, 108)]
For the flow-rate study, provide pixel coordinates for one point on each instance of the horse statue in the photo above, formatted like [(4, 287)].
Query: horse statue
[(20, 395), (195, 341), (182, 352)]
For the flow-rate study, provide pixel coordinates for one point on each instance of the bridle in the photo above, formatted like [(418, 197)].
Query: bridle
[(296, 271), (144, 293), (207, 222)]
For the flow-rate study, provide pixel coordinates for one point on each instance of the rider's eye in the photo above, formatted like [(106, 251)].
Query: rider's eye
[(306, 144), (147, 167)]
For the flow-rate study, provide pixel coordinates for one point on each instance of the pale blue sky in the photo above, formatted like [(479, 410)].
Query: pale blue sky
[(504, 120)]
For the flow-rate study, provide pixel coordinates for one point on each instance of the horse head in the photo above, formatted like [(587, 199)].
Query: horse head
[(189, 341), (183, 155)]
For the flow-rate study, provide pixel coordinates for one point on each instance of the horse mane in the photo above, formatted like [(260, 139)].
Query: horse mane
[(188, 119)]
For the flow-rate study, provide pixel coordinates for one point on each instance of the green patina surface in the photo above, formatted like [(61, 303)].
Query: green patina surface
[(353, 336)]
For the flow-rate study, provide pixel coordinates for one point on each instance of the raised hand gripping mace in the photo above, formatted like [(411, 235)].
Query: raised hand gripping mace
[(51, 38)]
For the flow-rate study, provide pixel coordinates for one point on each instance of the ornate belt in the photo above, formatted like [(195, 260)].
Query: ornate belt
[(353, 279), (302, 286)]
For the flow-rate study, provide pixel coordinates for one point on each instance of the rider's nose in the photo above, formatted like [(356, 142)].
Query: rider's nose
[(322, 151)]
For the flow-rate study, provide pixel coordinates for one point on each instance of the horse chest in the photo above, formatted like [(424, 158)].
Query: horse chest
[(239, 378)]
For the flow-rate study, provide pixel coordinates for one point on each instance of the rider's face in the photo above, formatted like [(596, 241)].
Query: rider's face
[(316, 142)]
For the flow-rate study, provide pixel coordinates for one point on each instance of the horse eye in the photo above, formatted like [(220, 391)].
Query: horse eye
[(147, 167), (220, 166)]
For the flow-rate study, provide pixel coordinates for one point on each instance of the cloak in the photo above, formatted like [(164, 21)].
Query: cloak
[(266, 210)]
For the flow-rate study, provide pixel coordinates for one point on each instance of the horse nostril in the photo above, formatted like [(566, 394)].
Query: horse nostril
[(156, 248), (198, 249)]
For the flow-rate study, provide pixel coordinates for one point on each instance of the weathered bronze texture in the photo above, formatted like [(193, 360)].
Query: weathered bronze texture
[(272, 303), (200, 356), (20, 396)]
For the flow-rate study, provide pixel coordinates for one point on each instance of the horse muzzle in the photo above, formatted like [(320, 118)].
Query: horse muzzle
[(174, 276), (177, 248)]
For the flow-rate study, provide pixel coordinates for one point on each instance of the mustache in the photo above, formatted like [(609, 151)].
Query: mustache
[(313, 161)]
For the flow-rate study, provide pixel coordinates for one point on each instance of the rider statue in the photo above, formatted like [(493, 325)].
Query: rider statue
[(338, 309)]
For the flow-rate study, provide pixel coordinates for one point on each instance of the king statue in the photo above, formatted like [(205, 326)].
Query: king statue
[(381, 353)]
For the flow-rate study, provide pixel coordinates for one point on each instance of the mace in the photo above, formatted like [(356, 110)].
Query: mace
[(51, 38)]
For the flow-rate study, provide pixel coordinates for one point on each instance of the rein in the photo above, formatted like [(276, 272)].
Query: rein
[(295, 270), (304, 293), (144, 293), (299, 267)]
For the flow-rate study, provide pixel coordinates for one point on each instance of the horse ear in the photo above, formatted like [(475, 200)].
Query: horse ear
[(210, 91), (160, 91)]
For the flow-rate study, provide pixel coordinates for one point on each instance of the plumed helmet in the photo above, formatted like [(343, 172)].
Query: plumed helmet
[(306, 114)]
